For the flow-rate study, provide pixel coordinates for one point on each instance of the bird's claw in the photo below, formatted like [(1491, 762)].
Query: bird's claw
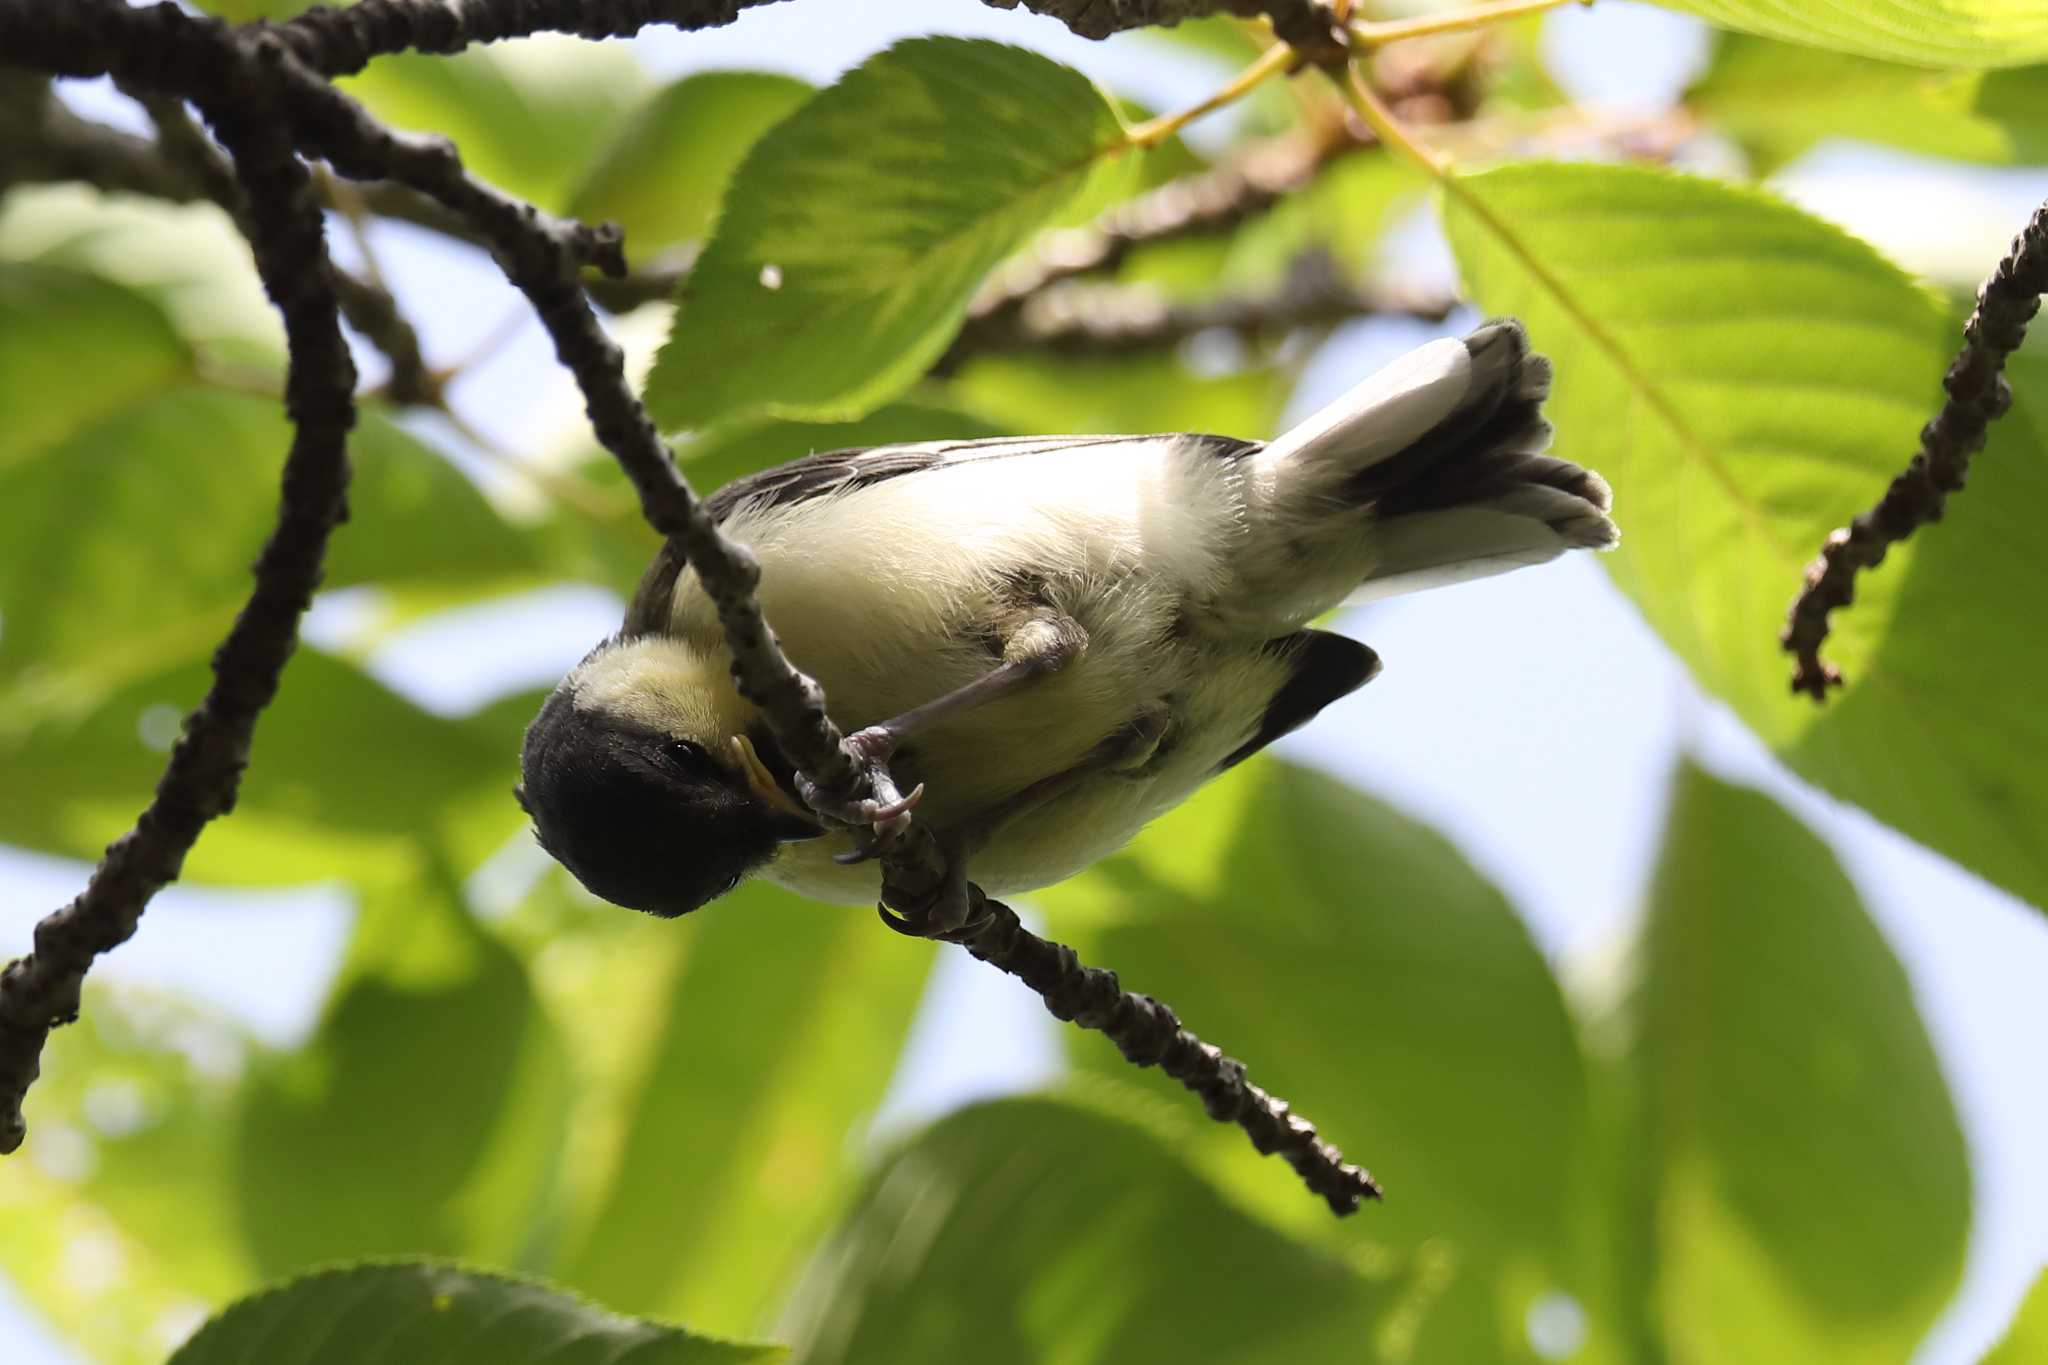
[(874, 744), (885, 819)]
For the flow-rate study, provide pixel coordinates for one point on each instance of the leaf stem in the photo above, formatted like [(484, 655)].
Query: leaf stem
[(1276, 59), (1367, 35)]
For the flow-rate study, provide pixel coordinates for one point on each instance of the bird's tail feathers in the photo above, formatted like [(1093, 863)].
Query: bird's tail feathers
[(1445, 447)]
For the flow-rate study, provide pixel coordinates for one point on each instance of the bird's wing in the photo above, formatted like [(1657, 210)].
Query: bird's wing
[(842, 471), (1326, 667)]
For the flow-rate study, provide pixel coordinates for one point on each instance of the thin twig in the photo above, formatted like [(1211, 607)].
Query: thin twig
[(1148, 1033), (282, 102), (1977, 396), (88, 37)]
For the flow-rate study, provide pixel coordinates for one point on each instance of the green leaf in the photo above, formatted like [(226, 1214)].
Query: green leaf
[(857, 229), (666, 170), (116, 1229), (425, 1116), (2027, 1340), (1749, 378), (1808, 1190), (73, 348), (187, 259), (525, 115), (422, 1313), (1361, 970), (1038, 392), (1778, 100), (125, 548), (1029, 1230), (345, 778), (1927, 32), (782, 1032)]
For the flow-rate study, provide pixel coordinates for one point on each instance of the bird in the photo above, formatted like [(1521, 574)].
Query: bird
[(1056, 638)]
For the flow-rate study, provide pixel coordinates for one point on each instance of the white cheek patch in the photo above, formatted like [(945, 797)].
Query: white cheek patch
[(662, 684)]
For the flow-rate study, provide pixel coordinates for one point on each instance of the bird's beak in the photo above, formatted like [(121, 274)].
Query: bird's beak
[(762, 783)]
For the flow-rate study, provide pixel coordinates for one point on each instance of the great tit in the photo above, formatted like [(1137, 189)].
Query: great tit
[(1057, 637)]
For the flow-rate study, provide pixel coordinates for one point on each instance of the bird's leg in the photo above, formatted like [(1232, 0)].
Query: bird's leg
[(1130, 746), (1040, 647)]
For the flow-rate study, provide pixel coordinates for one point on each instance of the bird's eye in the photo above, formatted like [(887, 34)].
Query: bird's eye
[(686, 755)]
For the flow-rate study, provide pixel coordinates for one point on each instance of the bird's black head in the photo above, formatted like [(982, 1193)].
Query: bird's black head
[(647, 820)]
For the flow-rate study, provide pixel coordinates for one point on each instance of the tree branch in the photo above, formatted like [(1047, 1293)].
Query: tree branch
[(265, 90), (1977, 396), (1148, 1033), (1073, 318), (41, 141), (89, 37)]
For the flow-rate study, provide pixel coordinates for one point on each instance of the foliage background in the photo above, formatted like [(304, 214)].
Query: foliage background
[(152, 1191)]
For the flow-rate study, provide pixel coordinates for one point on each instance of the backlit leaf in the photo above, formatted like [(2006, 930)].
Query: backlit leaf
[(426, 1313), (1748, 378), (856, 230), (1928, 32), (1785, 1079)]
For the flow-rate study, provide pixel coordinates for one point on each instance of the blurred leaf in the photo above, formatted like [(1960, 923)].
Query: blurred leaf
[(665, 171), (732, 451), (1778, 99), (1361, 970), (2026, 1343), (1748, 378), (1029, 1230), (345, 778), (1929, 32), (187, 258), (1039, 392), (425, 1116), (1809, 1193), (412, 1313), (1345, 211), (74, 348), (782, 1033), (857, 229), (526, 114), (239, 11), (117, 1228), (125, 549)]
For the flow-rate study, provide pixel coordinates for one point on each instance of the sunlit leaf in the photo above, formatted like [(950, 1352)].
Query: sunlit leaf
[(1779, 99), (666, 170), (781, 1034), (856, 230), (415, 1313), (1784, 1077), (187, 258), (116, 1229), (424, 1117), (1361, 969), (73, 348), (125, 549), (1748, 378), (1037, 392), (1029, 1230), (1929, 32), (2027, 1340), (346, 777), (526, 115)]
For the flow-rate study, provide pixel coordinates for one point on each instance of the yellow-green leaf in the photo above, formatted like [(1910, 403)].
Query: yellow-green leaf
[(1749, 378), (856, 229)]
